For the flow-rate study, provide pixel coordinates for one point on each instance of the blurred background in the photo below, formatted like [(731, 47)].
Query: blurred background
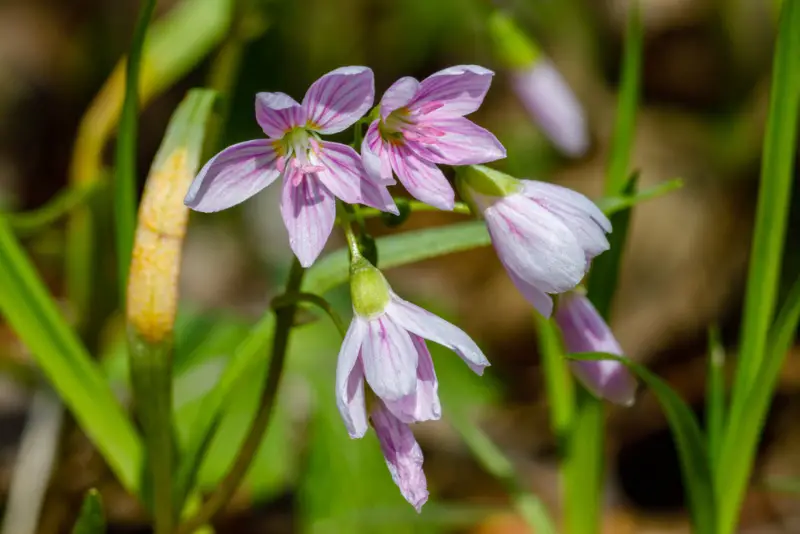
[(703, 106)]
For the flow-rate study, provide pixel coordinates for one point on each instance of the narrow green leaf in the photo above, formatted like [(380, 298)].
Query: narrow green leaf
[(715, 395), (34, 316), (743, 433), (625, 122), (125, 160), (780, 146), (613, 204), (695, 466), (91, 519), (29, 222), (558, 380)]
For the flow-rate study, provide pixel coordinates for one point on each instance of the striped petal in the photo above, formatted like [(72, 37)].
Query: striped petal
[(390, 359), (375, 156), (277, 113), (308, 211), (452, 92), (423, 180), (232, 176), (398, 95), (423, 404), (338, 99), (350, 381), (457, 141)]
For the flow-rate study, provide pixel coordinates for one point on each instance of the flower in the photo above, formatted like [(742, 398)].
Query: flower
[(422, 124), (545, 235), (402, 454), (585, 331), (551, 103), (314, 172), (385, 345)]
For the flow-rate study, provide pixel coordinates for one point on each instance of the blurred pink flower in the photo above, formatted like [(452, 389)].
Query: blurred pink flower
[(553, 106), (585, 331), (314, 172), (422, 124)]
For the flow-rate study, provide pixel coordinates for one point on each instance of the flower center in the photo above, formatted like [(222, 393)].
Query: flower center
[(300, 148), (404, 125)]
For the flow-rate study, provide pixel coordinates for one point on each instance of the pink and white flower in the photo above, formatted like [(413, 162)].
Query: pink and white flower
[(385, 349), (584, 330), (314, 172), (553, 106), (545, 235), (422, 125)]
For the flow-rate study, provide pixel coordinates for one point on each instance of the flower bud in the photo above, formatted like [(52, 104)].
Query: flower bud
[(369, 290), (480, 186), (584, 330)]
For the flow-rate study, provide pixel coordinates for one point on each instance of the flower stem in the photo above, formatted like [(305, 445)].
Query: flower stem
[(344, 222), (416, 205), (310, 298), (280, 342)]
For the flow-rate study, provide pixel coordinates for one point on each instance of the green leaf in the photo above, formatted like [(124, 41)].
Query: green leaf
[(780, 146), (34, 316), (397, 250), (693, 455), (125, 160), (743, 433), (91, 519), (625, 122), (715, 395), (614, 204), (27, 223)]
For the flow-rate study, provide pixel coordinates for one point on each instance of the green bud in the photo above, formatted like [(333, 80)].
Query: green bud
[(515, 49), (478, 184), (368, 289)]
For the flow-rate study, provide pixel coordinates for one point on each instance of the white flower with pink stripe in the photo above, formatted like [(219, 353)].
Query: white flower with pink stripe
[(314, 172)]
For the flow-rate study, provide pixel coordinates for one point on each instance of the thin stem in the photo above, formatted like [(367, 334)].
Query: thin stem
[(284, 319), (416, 205), (316, 300), (344, 222)]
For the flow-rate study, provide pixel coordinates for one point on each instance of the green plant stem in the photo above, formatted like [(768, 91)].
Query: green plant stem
[(772, 212), (29, 222), (151, 378), (125, 161), (715, 395), (283, 324), (344, 221), (417, 206), (316, 300), (560, 388)]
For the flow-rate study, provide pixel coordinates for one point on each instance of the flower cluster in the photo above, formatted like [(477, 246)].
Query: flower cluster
[(545, 235)]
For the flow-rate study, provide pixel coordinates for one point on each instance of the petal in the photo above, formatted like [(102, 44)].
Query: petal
[(541, 301), (338, 99), (308, 211), (423, 180), (398, 95), (606, 379), (582, 327), (535, 244), (551, 103), (580, 214), (425, 324), (346, 177), (277, 113), (459, 141), (452, 92), (350, 381), (403, 455), (375, 156), (232, 176), (389, 358), (423, 404)]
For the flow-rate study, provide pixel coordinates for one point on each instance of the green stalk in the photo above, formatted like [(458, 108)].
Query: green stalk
[(151, 380), (715, 395), (125, 171), (558, 381), (280, 342), (772, 212)]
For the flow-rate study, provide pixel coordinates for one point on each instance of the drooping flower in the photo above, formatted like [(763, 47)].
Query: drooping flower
[(385, 347), (584, 330), (422, 125), (539, 85), (314, 172), (402, 454), (553, 106), (545, 235)]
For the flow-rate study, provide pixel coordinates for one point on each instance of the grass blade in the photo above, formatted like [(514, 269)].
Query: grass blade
[(780, 145), (91, 519), (695, 466), (715, 395), (125, 161), (34, 316)]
